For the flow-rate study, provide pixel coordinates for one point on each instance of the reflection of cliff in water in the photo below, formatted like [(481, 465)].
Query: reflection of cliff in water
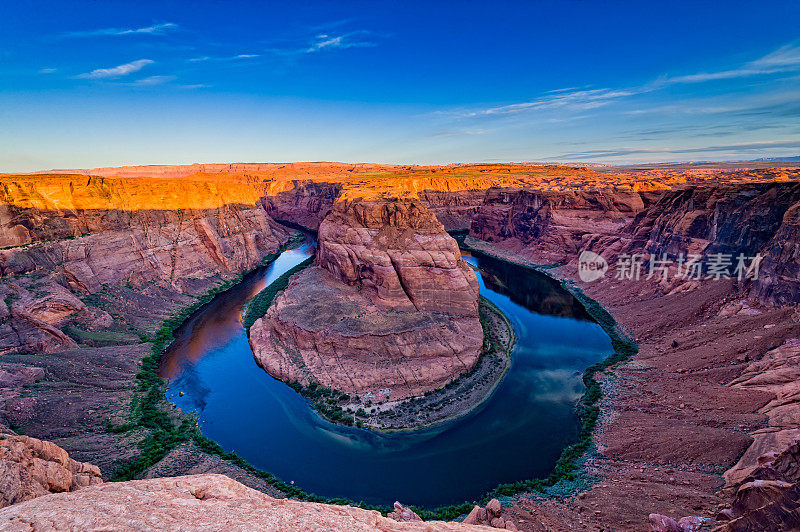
[(535, 291)]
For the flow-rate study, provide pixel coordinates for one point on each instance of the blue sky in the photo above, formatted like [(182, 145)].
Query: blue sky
[(86, 84)]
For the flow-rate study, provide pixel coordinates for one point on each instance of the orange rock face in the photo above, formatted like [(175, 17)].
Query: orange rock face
[(391, 310), (30, 468), (397, 253)]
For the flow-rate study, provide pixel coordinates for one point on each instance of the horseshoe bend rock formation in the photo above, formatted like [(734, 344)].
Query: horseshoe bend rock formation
[(389, 311), (398, 252)]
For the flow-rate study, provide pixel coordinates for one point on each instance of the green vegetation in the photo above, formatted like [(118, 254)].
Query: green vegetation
[(326, 401), (99, 338), (165, 431), (258, 306), (150, 412)]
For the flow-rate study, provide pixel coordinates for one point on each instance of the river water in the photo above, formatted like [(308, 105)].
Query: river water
[(517, 434)]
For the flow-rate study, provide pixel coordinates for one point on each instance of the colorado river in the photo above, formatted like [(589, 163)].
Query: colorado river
[(516, 434)]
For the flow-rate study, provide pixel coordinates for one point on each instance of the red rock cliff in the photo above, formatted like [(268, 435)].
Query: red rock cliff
[(389, 312)]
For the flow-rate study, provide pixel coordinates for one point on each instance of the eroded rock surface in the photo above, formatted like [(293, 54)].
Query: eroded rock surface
[(391, 310), (197, 502), (398, 254)]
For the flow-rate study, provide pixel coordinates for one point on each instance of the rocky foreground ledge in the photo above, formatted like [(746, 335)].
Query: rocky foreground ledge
[(42, 488), (196, 502)]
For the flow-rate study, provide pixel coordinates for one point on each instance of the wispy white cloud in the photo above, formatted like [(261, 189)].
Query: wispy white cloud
[(327, 42), (117, 71), (155, 29), (461, 133), (784, 59), (354, 39), (573, 100), (46, 70), (153, 80), (204, 58), (742, 147)]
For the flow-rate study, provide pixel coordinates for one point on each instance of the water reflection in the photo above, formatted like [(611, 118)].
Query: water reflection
[(534, 291), (209, 330), (518, 433)]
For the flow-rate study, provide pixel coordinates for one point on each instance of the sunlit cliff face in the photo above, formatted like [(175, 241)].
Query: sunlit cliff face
[(211, 186)]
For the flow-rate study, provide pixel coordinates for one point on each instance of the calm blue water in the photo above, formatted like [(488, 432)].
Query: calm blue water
[(518, 433)]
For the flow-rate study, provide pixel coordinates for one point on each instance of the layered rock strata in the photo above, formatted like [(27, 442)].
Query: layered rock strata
[(731, 219), (94, 268), (389, 311)]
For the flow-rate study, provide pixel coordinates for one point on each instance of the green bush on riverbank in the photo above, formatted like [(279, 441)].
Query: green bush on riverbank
[(149, 408), (588, 410)]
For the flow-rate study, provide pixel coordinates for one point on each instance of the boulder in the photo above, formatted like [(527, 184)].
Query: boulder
[(401, 513), (30, 468)]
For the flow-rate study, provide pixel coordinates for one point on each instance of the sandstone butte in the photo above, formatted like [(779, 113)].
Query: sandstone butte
[(701, 425), (390, 311)]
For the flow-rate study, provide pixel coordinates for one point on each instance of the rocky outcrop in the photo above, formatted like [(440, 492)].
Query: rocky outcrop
[(30, 468), (778, 510), (96, 266), (777, 373), (663, 523), (454, 209), (490, 516), (732, 219), (198, 502), (779, 280), (397, 253), (766, 480), (184, 251), (321, 330), (747, 219), (391, 310)]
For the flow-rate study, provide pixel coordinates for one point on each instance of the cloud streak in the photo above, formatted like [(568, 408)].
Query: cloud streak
[(580, 100), (155, 29), (237, 57), (734, 148), (153, 80), (784, 59), (324, 41), (117, 71)]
